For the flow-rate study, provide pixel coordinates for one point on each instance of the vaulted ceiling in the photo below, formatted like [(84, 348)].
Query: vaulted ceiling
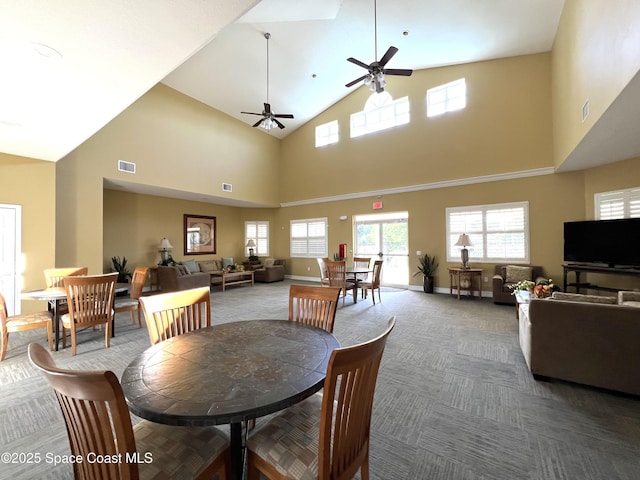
[(69, 68)]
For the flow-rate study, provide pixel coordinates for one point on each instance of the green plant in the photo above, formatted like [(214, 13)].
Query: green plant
[(120, 266), (522, 285), (427, 265)]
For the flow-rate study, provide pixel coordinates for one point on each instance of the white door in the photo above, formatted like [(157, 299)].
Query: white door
[(10, 249), (385, 236)]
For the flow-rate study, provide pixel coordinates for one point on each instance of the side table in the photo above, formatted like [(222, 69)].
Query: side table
[(522, 303), (458, 278)]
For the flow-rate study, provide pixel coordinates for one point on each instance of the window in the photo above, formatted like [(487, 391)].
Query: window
[(327, 133), (619, 204), (498, 232), (309, 238), (259, 233), (447, 98), (380, 112)]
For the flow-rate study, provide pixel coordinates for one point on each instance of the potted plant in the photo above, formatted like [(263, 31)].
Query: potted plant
[(427, 266), (120, 266)]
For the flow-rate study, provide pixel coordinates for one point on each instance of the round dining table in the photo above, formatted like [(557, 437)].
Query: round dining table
[(228, 374)]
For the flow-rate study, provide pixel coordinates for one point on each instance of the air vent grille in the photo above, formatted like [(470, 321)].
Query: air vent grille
[(128, 167), (227, 187)]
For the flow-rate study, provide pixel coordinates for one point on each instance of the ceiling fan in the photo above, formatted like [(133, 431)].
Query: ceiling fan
[(269, 119), (375, 78)]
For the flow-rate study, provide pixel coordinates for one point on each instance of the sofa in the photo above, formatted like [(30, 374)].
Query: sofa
[(273, 270), (505, 276), (587, 339), (173, 278)]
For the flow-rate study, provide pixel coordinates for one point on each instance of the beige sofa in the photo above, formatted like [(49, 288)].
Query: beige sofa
[(579, 338)]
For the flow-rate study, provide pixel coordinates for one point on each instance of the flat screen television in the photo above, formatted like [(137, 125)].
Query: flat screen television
[(614, 243)]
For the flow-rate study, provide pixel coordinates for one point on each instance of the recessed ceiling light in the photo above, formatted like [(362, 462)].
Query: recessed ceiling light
[(46, 51)]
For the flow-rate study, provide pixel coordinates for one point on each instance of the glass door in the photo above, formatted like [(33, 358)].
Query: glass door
[(385, 236)]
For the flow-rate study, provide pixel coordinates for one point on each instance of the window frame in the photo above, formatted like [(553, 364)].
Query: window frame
[(259, 250), (308, 253), (628, 204), (376, 109), (330, 137), (449, 104), (479, 236)]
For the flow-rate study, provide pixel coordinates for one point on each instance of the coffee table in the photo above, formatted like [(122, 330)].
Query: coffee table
[(233, 278)]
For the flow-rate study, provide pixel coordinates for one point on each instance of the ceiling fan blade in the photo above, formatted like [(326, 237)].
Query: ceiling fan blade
[(398, 71), (258, 122), (358, 62), (350, 84), (267, 108), (280, 124), (282, 115), (251, 113), (387, 56)]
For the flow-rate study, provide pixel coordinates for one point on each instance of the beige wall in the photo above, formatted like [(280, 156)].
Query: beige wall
[(595, 55), (134, 224), (177, 143), (31, 184), (505, 127)]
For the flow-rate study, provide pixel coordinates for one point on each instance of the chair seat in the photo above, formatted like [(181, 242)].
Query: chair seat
[(126, 303), (38, 318), (289, 441), (66, 320), (178, 452)]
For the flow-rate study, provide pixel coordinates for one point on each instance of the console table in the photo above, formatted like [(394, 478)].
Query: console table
[(577, 269), (458, 278)]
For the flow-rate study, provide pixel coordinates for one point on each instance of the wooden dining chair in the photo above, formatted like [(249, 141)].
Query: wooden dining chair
[(19, 323), (173, 313), (99, 424), (374, 284), (53, 278), (325, 436), (315, 306), (324, 276), (360, 262), (337, 273), (90, 302), (132, 303)]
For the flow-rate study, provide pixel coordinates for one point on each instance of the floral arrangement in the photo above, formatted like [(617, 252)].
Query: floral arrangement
[(542, 288)]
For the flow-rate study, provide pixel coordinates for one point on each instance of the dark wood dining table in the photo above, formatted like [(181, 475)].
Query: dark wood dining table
[(229, 373), (55, 296)]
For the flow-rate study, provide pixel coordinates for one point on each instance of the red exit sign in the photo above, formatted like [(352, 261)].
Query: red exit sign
[(377, 205)]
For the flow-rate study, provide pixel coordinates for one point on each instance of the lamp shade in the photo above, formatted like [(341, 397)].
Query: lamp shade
[(463, 241), (165, 244), (250, 244)]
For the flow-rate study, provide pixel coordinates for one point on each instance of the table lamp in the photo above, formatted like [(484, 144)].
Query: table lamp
[(165, 248), (464, 242), (250, 244)]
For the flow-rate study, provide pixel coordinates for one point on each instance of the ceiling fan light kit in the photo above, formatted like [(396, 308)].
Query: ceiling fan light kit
[(375, 78), (269, 119)]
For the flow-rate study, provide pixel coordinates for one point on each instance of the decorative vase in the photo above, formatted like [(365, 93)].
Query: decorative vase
[(465, 282), (427, 284)]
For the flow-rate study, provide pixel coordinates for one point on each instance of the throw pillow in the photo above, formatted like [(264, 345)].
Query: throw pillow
[(182, 270), (516, 274), (209, 266), (226, 262), (192, 266), (578, 297), (269, 262)]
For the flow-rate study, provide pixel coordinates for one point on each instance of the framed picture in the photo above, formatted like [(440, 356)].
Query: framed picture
[(199, 234)]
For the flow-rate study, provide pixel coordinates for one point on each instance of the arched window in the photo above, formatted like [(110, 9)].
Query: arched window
[(380, 112)]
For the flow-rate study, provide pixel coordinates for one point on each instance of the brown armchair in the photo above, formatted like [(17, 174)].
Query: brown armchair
[(271, 272), (506, 276)]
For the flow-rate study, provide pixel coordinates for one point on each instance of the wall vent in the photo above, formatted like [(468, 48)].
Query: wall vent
[(128, 167), (227, 187)]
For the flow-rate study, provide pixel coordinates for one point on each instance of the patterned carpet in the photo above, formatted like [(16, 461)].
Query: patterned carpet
[(454, 398)]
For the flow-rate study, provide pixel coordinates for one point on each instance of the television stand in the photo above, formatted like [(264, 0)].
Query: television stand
[(578, 268)]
